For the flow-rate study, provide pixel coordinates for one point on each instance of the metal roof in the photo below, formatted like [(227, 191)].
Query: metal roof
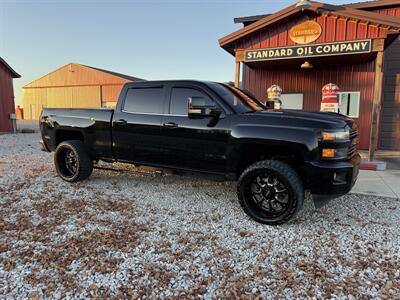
[(249, 18), (357, 5), (13, 73), (373, 4), (316, 7), (116, 74), (61, 79)]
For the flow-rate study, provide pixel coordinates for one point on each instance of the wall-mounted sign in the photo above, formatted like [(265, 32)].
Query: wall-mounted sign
[(305, 33), (316, 50)]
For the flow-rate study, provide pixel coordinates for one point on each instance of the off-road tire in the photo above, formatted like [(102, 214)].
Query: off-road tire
[(287, 175), (84, 164)]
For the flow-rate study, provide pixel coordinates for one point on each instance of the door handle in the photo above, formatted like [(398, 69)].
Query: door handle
[(170, 125), (120, 122)]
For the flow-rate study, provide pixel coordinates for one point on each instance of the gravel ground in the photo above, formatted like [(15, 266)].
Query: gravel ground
[(131, 234)]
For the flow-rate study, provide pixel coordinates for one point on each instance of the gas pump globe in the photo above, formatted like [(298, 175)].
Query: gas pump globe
[(330, 101), (274, 93)]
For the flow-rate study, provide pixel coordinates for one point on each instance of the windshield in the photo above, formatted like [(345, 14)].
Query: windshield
[(241, 101)]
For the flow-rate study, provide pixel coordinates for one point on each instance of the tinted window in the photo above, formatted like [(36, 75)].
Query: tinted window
[(240, 100), (179, 100), (145, 100)]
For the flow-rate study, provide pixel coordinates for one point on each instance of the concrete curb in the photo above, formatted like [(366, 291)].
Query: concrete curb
[(376, 195), (375, 165)]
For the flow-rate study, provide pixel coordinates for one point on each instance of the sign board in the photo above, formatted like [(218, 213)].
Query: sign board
[(315, 50), (330, 107), (292, 101), (305, 33)]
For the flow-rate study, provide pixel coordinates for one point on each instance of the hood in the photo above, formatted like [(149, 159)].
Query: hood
[(302, 118)]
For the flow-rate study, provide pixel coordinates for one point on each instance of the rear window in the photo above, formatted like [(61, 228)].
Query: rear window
[(144, 100)]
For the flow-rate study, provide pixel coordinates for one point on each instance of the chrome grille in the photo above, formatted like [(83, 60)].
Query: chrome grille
[(354, 133), (354, 138)]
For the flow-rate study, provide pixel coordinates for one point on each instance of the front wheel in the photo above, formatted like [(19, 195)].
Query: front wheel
[(270, 192), (72, 162)]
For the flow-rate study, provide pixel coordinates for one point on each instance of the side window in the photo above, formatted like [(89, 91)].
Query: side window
[(144, 100), (179, 100), (349, 104)]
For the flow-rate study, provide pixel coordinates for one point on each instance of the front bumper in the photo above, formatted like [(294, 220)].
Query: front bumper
[(43, 146), (329, 180)]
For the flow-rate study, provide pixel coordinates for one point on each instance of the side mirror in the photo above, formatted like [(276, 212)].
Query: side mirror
[(197, 108)]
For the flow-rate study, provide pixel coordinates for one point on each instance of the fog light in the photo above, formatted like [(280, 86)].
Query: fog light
[(328, 153), (339, 177)]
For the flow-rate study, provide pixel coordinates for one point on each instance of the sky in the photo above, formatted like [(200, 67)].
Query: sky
[(153, 39)]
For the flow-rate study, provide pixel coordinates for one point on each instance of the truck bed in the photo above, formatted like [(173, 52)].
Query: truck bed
[(93, 125)]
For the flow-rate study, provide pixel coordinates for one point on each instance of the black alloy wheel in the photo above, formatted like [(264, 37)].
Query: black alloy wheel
[(72, 162), (270, 192)]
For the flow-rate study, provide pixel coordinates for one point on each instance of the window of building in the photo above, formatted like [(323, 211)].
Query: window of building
[(292, 101), (179, 100), (349, 104), (144, 100)]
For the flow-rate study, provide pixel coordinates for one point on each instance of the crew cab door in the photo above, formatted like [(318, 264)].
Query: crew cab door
[(136, 127), (194, 143)]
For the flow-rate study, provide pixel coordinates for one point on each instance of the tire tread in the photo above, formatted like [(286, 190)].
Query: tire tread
[(85, 162), (286, 171)]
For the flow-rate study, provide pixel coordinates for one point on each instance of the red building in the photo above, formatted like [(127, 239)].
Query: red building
[(7, 107), (302, 48)]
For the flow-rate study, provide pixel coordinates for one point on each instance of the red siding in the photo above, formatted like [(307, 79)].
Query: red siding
[(354, 76), (389, 11), (358, 77), (351, 30), (340, 30), (333, 29), (362, 31), (6, 99)]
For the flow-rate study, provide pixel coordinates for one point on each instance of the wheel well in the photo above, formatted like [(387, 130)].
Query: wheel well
[(253, 153), (65, 135)]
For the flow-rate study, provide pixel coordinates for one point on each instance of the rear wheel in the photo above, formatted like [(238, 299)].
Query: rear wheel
[(270, 192), (72, 162)]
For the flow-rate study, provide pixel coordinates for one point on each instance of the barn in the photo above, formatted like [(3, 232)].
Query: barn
[(309, 44), (73, 86), (7, 107)]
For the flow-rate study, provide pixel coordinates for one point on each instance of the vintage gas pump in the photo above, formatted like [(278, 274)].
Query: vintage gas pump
[(330, 98), (274, 93)]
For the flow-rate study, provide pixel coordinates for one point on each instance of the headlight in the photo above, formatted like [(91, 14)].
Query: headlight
[(335, 135)]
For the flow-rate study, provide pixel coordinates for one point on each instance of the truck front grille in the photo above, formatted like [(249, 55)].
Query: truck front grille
[(354, 142)]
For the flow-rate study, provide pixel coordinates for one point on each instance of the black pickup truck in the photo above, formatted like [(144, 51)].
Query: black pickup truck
[(212, 127)]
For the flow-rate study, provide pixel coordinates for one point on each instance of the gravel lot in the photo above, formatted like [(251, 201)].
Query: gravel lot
[(129, 234)]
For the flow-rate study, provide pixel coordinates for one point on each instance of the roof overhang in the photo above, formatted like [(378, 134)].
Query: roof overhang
[(112, 78), (249, 19), (391, 23), (374, 4), (11, 70), (368, 5)]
